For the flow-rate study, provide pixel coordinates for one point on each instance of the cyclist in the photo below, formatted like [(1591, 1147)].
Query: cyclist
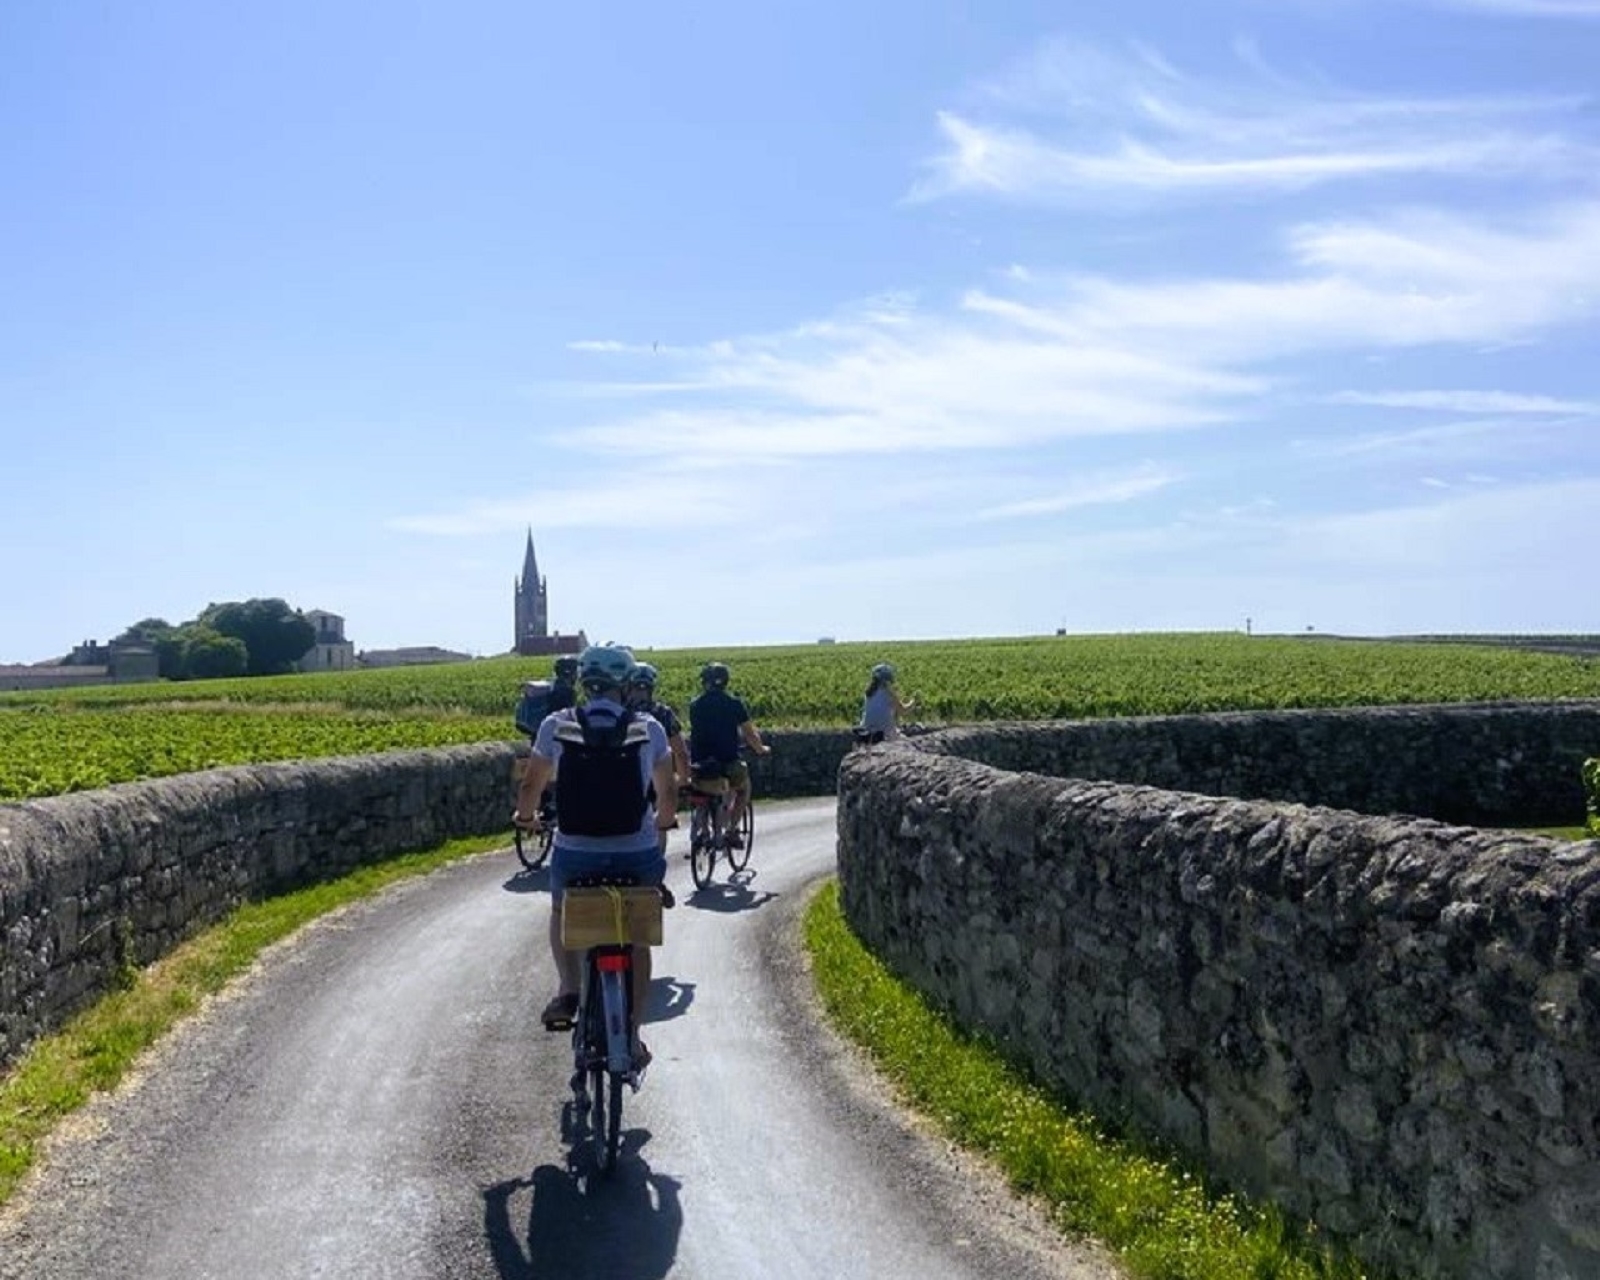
[(882, 706), (541, 698), (564, 689), (606, 823), (641, 696), (719, 724)]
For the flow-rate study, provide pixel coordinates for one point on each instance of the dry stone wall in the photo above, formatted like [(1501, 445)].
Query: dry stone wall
[(93, 882), (98, 880), (1383, 1022)]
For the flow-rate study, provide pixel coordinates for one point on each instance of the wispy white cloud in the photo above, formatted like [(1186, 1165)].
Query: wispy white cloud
[(1134, 125), (1088, 491), (1086, 357), (1504, 402)]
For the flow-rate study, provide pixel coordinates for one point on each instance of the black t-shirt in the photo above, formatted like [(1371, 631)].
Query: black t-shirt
[(561, 697), (714, 720)]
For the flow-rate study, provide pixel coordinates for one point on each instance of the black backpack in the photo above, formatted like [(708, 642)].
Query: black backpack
[(600, 790)]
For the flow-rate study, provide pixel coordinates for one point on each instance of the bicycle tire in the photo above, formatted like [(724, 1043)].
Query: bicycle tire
[(533, 847), (739, 858), (702, 847), (613, 1126), (594, 1040)]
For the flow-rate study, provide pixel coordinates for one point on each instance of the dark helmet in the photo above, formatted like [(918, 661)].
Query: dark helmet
[(567, 669), (714, 675), (883, 673), (604, 667), (643, 676)]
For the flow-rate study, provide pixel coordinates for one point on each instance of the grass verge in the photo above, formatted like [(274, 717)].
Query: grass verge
[(59, 1073), (1158, 1217)]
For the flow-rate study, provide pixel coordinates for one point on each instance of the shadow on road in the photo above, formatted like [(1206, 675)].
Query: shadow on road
[(525, 881), (584, 1227), (669, 998), (732, 894)]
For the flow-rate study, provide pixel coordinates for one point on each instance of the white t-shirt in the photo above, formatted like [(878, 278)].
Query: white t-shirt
[(605, 711)]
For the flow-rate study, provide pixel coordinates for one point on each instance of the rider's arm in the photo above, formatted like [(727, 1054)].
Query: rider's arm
[(666, 781), (752, 739), (680, 757), (535, 778)]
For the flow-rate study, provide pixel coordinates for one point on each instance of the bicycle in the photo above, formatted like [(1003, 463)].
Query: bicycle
[(606, 917), (532, 843), (707, 837)]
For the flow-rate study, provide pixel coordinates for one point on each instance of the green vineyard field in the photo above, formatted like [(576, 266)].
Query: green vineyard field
[(64, 740)]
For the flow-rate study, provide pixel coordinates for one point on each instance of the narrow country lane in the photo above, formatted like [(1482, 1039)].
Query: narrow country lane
[(378, 1100)]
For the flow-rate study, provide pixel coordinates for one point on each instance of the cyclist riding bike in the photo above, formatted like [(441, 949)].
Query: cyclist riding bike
[(564, 688), (719, 725), (604, 759), (641, 696), (541, 698)]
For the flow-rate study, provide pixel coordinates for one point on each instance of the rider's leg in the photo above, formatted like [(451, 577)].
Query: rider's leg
[(738, 796), (567, 963)]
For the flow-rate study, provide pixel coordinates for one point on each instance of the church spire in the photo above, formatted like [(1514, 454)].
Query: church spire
[(530, 565)]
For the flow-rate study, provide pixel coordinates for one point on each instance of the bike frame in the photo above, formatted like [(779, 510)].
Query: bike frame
[(611, 969)]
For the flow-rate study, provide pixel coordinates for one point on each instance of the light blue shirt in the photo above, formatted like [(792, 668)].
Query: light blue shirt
[(877, 712)]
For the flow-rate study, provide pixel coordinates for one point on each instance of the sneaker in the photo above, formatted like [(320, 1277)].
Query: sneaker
[(560, 1012)]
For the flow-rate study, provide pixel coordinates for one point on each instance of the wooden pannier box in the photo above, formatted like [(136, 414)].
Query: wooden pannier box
[(597, 917)]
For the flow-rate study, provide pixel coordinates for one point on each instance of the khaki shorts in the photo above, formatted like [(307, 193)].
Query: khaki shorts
[(737, 772)]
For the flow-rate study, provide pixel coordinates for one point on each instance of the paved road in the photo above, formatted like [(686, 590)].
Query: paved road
[(377, 1100)]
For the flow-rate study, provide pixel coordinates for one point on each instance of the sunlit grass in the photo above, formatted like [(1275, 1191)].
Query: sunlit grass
[(59, 1073), (1160, 1218)]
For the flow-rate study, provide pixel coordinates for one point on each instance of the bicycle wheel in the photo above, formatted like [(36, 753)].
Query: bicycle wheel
[(702, 846), (613, 1126), (739, 857), (594, 1049), (533, 847)]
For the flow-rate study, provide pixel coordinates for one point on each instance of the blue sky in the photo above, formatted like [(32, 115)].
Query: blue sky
[(774, 322)]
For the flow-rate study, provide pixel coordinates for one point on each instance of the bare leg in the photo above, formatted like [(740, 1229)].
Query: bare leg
[(566, 961)]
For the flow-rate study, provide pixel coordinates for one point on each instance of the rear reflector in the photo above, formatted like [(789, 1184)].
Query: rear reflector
[(615, 963)]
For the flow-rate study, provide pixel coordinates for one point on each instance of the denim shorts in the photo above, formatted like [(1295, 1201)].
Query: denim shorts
[(647, 866)]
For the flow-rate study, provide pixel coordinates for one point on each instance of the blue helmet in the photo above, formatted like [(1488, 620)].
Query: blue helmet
[(603, 668)]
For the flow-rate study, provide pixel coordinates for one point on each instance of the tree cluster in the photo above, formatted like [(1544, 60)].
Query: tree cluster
[(237, 638)]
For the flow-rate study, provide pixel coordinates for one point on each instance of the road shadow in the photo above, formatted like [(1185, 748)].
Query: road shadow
[(669, 998), (582, 1226), (525, 881), (732, 894)]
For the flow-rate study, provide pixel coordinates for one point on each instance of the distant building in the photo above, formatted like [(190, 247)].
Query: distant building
[(530, 601), (330, 651), (90, 663)]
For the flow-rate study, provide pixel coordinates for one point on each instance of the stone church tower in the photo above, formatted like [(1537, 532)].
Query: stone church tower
[(530, 600)]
